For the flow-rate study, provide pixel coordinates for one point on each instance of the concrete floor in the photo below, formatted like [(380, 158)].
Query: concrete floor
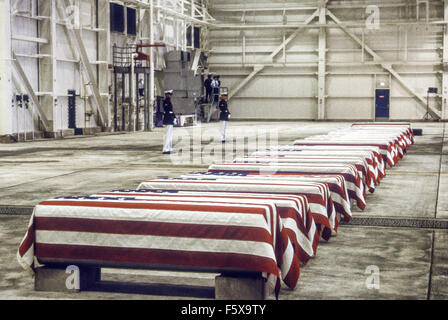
[(411, 257)]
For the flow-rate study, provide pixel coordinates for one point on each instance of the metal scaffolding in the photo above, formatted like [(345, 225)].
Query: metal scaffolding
[(155, 18)]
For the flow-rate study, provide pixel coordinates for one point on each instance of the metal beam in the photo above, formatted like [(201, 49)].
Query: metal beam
[(6, 92), (31, 92), (48, 64), (29, 39), (152, 97), (254, 8), (235, 90), (172, 10), (445, 66), (271, 57), (15, 9), (388, 67), (434, 22), (321, 73), (104, 53), (98, 106), (293, 35), (195, 64), (249, 7)]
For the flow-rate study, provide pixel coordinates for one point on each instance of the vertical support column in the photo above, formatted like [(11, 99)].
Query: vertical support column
[(321, 94), (151, 66), (123, 99), (445, 66), (103, 21), (48, 64), (115, 101), (192, 25), (244, 48), (131, 108), (5, 69), (137, 102), (147, 124)]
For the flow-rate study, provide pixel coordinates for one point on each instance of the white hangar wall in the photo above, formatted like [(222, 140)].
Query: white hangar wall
[(45, 52), (44, 57), (287, 87)]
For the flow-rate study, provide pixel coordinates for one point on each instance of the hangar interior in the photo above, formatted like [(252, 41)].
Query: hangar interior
[(82, 84)]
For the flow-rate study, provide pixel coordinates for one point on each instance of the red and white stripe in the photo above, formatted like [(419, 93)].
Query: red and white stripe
[(366, 171), (335, 151), (388, 148), (393, 140), (294, 212), (318, 194), (353, 180), (390, 126), (336, 185), (231, 236), (368, 157)]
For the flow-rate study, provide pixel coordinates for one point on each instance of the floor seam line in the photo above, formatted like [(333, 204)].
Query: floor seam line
[(58, 176), (431, 261), (440, 175)]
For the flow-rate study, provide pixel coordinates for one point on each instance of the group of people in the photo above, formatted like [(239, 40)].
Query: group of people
[(169, 119), (212, 88)]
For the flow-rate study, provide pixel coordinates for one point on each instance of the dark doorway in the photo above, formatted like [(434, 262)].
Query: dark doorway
[(382, 102)]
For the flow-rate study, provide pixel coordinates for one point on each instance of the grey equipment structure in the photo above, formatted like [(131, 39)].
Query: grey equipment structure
[(130, 62)]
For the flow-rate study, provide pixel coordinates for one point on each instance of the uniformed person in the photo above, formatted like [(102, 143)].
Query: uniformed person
[(223, 116), (208, 88), (215, 88), (168, 120)]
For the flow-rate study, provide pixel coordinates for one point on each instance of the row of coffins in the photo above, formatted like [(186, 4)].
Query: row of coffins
[(266, 212)]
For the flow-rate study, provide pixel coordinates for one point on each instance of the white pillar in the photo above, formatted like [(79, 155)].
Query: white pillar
[(5, 69), (104, 54), (445, 66), (321, 92), (151, 66), (48, 65)]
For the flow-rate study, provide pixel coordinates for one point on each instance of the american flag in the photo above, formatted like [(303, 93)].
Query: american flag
[(318, 194), (125, 231), (336, 185), (402, 133), (366, 171), (370, 153), (355, 187), (369, 158), (388, 149), (393, 141), (263, 213), (294, 211), (404, 127)]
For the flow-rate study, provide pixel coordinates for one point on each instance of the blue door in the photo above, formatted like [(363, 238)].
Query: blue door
[(382, 103)]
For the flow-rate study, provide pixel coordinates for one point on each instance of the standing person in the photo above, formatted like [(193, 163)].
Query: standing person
[(215, 88), (168, 120), (208, 88), (223, 116)]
